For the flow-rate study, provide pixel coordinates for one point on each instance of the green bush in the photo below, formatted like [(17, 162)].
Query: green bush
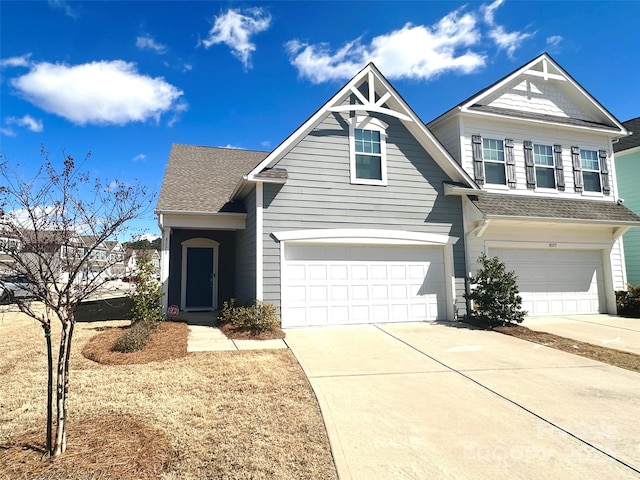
[(258, 317), (628, 301), (146, 295), (495, 299), (135, 337)]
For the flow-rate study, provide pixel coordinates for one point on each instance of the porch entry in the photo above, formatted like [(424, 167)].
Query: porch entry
[(199, 275)]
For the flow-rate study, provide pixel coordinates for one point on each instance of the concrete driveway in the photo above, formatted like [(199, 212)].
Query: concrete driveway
[(442, 401), (605, 330)]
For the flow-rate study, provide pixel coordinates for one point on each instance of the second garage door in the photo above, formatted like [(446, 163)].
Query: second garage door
[(348, 284), (555, 282)]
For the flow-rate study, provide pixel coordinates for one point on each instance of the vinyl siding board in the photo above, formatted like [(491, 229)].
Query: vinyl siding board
[(448, 134), (319, 195), (628, 174), (246, 253)]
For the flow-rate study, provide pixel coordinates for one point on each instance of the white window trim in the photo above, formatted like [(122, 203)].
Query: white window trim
[(552, 167), (368, 123), (503, 163), (585, 192)]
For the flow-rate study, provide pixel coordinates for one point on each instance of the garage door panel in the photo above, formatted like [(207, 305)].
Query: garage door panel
[(558, 281), (339, 284)]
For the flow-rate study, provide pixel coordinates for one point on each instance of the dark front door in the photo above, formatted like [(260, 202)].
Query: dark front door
[(200, 278)]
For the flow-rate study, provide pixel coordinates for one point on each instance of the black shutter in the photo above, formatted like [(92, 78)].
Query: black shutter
[(557, 159), (511, 163), (604, 172), (478, 170), (529, 165), (577, 169)]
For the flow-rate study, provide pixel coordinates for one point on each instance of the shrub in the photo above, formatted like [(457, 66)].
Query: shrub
[(258, 317), (628, 301), (494, 296), (146, 296), (135, 337)]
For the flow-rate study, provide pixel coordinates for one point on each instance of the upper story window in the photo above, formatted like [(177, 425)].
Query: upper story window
[(368, 152), (494, 166), (545, 167), (590, 170)]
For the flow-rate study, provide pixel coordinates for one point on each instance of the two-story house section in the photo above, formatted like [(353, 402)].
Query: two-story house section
[(541, 149)]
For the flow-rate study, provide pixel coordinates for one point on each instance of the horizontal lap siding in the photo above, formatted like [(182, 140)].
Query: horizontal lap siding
[(319, 195), (627, 169), (448, 134), (246, 253)]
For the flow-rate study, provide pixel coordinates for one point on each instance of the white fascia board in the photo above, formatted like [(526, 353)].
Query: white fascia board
[(604, 223), (456, 190), (207, 221), (364, 236)]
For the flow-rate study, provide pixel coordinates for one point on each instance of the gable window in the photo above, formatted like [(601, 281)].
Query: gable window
[(545, 168), (368, 152), (590, 170), (493, 155)]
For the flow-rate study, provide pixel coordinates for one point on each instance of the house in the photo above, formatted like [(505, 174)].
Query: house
[(116, 253), (627, 152), (363, 214), (540, 147), (133, 256)]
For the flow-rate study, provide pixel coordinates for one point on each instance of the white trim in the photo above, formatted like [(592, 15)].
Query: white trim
[(164, 266), (259, 241), (199, 243), (369, 236), (449, 281), (374, 124), (513, 245), (200, 221)]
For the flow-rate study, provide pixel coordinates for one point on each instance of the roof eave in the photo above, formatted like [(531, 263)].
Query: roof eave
[(519, 218)]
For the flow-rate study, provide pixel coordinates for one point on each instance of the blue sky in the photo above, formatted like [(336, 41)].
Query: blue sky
[(125, 80)]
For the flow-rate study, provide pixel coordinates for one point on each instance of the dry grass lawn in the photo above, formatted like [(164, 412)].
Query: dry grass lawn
[(621, 359), (222, 415)]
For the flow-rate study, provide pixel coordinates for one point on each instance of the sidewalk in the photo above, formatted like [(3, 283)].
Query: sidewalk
[(204, 338)]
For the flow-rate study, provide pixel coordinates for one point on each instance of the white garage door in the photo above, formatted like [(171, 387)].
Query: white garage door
[(557, 281), (343, 284)]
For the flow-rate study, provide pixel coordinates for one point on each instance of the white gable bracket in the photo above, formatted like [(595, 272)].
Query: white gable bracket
[(371, 108)]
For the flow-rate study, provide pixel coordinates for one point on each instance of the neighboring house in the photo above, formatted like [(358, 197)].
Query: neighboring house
[(541, 148), (628, 172), (116, 252), (133, 256), (361, 215)]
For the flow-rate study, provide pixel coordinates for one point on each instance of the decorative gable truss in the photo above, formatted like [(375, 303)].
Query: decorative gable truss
[(367, 93)]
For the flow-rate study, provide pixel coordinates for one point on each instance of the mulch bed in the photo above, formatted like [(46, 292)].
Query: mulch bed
[(249, 334), (169, 341), (618, 358), (106, 446)]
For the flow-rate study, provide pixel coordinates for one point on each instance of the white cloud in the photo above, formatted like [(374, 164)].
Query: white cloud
[(101, 93), (553, 42), (414, 51), (21, 61), (148, 43), (232, 147), (139, 157), (509, 41), (235, 29), (64, 5), (7, 131), (27, 121), (265, 144)]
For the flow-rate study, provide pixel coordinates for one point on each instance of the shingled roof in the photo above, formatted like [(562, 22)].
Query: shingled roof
[(631, 141), (510, 206), (201, 179)]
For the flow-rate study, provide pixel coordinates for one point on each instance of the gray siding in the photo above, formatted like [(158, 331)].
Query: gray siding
[(246, 253), (318, 194)]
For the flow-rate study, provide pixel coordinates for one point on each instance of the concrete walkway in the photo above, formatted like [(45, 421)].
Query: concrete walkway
[(440, 401), (204, 338), (609, 331)]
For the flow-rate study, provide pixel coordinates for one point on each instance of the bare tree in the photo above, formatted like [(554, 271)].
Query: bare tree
[(45, 221)]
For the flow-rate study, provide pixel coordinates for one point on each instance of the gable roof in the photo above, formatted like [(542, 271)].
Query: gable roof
[(633, 140), (381, 98), (202, 179), (553, 209), (546, 68)]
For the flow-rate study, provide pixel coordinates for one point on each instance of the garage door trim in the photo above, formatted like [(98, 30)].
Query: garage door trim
[(373, 237)]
